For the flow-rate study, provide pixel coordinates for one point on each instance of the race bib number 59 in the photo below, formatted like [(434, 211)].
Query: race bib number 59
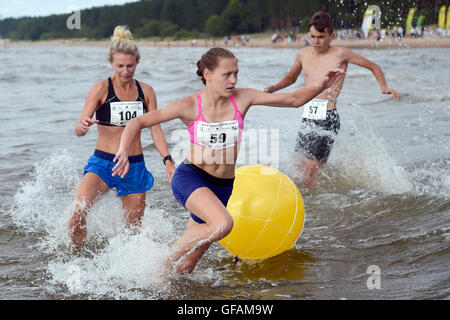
[(218, 135)]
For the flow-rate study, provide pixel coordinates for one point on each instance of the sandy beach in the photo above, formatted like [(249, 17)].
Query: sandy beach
[(386, 43)]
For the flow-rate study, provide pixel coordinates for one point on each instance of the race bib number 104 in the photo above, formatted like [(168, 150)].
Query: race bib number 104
[(124, 111)]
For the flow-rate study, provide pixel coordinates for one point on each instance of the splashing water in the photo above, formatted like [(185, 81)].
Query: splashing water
[(115, 261), (362, 160), (359, 160)]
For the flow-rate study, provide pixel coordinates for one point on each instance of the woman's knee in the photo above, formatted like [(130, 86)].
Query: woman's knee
[(222, 227)]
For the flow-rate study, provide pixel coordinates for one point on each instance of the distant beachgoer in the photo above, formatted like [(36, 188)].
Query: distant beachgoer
[(274, 37)]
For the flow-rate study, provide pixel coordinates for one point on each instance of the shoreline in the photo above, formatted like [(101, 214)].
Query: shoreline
[(387, 43)]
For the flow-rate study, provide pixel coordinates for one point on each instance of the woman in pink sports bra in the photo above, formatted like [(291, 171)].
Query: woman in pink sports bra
[(215, 119)]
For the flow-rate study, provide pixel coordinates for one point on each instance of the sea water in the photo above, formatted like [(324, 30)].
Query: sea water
[(382, 200)]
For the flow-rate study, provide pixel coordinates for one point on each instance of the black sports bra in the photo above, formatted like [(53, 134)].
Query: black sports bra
[(117, 113)]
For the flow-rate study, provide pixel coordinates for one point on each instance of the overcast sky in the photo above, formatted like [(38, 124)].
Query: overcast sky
[(21, 8)]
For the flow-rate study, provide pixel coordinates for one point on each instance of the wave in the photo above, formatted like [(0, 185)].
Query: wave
[(431, 177), (427, 96)]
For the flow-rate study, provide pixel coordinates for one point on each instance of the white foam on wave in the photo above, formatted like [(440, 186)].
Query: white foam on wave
[(431, 177), (361, 158), (38, 202), (129, 266)]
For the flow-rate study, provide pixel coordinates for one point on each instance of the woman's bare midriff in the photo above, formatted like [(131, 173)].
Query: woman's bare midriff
[(218, 163), (109, 140)]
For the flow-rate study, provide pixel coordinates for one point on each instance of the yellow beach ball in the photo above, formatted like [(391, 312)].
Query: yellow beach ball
[(268, 213)]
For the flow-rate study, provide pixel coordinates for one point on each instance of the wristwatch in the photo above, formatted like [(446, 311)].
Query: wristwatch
[(168, 157)]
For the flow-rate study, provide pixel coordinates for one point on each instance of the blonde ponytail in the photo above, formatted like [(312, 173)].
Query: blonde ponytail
[(122, 41), (121, 32)]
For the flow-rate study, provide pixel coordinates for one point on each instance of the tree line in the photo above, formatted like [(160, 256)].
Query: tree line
[(180, 19)]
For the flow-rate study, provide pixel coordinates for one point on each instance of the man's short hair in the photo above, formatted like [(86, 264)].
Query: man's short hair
[(322, 21)]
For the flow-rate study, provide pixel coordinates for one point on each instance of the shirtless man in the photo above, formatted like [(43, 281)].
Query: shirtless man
[(320, 123)]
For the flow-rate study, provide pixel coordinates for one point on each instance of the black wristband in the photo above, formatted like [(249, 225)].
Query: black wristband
[(168, 157)]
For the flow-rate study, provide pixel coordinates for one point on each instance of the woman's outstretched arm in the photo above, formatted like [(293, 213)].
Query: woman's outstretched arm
[(293, 99), (134, 127)]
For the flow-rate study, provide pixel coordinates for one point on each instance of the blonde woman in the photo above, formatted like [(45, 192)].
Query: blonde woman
[(115, 101)]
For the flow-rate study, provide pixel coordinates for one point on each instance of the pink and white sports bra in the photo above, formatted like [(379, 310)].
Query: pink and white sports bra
[(216, 135)]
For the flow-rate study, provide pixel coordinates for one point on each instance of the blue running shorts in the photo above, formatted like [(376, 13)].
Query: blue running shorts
[(137, 180), (188, 178)]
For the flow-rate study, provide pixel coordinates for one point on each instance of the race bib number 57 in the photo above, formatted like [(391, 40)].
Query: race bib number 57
[(316, 109)]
